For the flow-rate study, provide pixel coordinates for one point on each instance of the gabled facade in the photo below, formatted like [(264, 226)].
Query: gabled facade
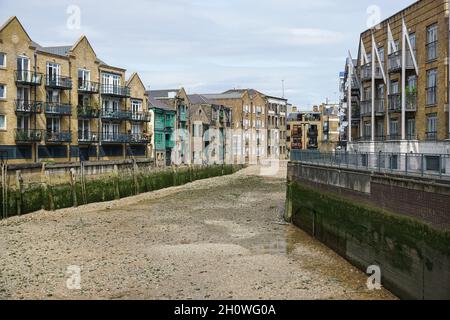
[(64, 104)]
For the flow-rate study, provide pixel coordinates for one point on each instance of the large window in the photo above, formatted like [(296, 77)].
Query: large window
[(2, 91), (2, 60), (393, 128), (2, 122), (411, 129), (432, 87), (432, 39), (432, 126), (84, 78)]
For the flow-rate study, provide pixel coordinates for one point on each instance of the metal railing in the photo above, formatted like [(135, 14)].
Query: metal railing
[(58, 136), (409, 164), (116, 114), (114, 90), (28, 77), (28, 135), (87, 137), (88, 86), (23, 106), (58, 82), (56, 108)]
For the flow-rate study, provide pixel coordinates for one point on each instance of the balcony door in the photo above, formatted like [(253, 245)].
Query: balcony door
[(53, 73), (110, 106), (110, 131), (84, 78), (23, 122), (83, 129), (111, 83), (23, 68), (136, 106), (23, 99), (53, 124)]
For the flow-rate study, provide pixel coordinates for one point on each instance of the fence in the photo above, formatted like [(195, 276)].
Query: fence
[(410, 164)]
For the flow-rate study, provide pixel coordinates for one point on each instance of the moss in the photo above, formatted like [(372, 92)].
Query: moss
[(32, 199), (369, 225), (62, 196)]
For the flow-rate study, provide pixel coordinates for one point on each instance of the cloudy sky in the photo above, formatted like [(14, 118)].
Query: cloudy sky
[(210, 46)]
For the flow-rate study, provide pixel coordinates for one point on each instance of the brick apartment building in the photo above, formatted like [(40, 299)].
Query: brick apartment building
[(398, 83), (65, 104)]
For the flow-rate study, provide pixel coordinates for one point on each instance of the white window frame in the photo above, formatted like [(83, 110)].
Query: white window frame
[(6, 125), (5, 93), (4, 60)]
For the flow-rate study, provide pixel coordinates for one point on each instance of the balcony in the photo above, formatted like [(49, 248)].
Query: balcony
[(395, 102), (60, 109), (28, 106), (58, 136), (395, 61), (87, 112), (170, 123), (116, 115), (116, 91), (87, 137), (139, 138), (28, 136), (29, 78), (140, 116), (170, 143), (115, 138), (88, 87), (366, 108), (58, 82), (411, 101), (366, 72), (379, 107)]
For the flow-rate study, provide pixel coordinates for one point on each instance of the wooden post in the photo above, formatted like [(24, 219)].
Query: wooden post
[(116, 182), (19, 192), (73, 187)]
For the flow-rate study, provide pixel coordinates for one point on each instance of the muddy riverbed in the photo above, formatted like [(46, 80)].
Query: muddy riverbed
[(221, 238)]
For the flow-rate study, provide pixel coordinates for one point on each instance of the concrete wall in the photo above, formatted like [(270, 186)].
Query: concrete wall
[(401, 225)]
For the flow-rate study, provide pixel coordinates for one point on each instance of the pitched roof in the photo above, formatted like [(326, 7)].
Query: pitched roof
[(199, 99), (220, 96), (11, 19), (251, 92), (154, 103), (162, 94)]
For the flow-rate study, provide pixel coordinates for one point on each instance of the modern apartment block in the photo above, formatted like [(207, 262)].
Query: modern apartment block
[(398, 84), (304, 130), (65, 104), (331, 125)]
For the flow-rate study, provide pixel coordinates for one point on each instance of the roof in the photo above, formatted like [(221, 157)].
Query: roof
[(154, 103), (220, 96), (251, 92), (62, 51), (199, 99), (163, 94)]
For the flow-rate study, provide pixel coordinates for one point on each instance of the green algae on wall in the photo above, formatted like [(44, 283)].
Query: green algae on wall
[(106, 188), (413, 256)]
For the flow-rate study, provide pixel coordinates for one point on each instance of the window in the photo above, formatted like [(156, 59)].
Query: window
[(2, 60), (2, 91), (412, 39), (432, 39), (84, 78), (136, 106), (2, 122), (411, 129), (431, 126), (432, 87), (393, 128)]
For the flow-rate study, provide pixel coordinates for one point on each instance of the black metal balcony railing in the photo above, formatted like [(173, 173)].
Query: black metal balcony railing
[(115, 137), (87, 137), (140, 116), (58, 136), (395, 102), (87, 112), (139, 138), (431, 96), (28, 135), (113, 90), (88, 87), (116, 115), (395, 61), (56, 108), (431, 135), (28, 77), (28, 106), (59, 82)]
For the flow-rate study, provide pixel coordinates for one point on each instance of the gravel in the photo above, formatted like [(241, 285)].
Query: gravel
[(221, 238)]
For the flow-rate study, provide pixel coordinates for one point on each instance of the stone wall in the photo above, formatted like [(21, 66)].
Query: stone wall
[(400, 225)]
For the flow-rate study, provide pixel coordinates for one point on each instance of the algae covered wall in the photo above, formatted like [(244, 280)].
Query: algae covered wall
[(83, 189), (414, 257)]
